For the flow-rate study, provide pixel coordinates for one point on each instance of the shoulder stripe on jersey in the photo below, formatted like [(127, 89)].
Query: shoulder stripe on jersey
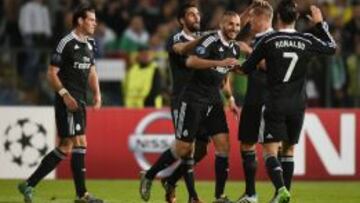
[(289, 37), (209, 40), (177, 36), (63, 42)]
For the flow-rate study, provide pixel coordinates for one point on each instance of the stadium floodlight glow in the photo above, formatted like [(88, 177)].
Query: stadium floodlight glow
[(141, 143)]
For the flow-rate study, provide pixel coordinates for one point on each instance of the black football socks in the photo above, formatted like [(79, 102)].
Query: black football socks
[(274, 171), (221, 174), (287, 164), (249, 167), (166, 159), (49, 163), (79, 170)]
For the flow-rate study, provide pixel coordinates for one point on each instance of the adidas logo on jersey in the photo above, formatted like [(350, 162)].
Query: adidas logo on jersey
[(269, 136), (76, 47), (221, 49)]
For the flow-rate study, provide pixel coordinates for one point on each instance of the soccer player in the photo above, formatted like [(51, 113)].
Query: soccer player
[(261, 24), (179, 46), (286, 53), (71, 71), (201, 104)]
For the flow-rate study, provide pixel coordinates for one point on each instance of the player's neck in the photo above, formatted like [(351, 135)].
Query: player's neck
[(188, 32), (286, 26), (80, 35)]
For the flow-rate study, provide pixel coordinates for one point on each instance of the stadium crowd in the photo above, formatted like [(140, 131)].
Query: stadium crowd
[(29, 28)]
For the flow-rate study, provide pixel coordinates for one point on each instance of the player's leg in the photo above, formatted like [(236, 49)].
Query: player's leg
[(169, 183), (48, 164), (294, 125), (275, 132), (217, 127), (169, 156), (251, 125), (78, 167), (52, 159)]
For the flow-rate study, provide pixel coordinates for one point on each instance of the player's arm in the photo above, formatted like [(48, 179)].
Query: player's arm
[(95, 87), (228, 91), (194, 61), (58, 87), (254, 59), (326, 44), (185, 48)]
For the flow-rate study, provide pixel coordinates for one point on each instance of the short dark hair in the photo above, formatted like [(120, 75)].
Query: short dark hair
[(229, 13), (287, 10), (183, 9), (81, 12)]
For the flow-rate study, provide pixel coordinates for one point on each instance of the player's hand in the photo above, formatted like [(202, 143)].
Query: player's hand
[(70, 102), (234, 108), (97, 102), (245, 47), (229, 62), (258, 3), (316, 15)]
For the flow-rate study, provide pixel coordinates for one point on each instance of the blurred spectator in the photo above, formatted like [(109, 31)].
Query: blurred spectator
[(353, 65), (142, 85), (103, 36), (10, 17), (35, 28), (134, 36), (351, 29), (116, 15), (337, 75)]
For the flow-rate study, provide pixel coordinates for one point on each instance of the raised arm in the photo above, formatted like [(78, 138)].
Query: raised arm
[(326, 43)]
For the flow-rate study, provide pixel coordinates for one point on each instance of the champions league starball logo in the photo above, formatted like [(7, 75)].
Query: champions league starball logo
[(142, 143), (24, 142)]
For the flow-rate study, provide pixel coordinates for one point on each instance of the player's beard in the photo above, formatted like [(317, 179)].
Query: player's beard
[(230, 34), (194, 27)]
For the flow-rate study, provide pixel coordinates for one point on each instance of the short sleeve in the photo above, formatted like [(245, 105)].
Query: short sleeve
[(203, 49)]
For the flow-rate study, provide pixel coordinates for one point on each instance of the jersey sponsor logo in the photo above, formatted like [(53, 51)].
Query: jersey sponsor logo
[(82, 66), (141, 143), (221, 69), (86, 59)]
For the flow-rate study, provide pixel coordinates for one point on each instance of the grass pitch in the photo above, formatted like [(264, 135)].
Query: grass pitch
[(124, 191)]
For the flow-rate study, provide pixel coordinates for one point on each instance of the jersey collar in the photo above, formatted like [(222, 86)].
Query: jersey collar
[(223, 41), (188, 37), (270, 29), (77, 37), (289, 30)]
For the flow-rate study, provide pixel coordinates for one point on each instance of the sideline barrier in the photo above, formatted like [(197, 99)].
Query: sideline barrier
[(121, 142)]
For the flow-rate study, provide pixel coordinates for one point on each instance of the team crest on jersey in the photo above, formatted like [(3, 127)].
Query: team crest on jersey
[(200, 50)]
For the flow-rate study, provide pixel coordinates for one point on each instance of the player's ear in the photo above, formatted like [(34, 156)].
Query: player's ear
[(80, 21)]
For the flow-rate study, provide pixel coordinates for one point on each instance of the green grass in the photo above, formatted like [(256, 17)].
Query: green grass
[(123, 191)]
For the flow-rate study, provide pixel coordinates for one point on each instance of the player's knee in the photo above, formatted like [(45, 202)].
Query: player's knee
[(200, 151), (183, 149), (288, 150), (247, 146), (65, 146), (79, 141)]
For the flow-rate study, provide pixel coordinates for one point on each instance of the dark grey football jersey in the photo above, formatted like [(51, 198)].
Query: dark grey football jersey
[(74, 58), (179, 72), (205, 84), (287, 54)]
